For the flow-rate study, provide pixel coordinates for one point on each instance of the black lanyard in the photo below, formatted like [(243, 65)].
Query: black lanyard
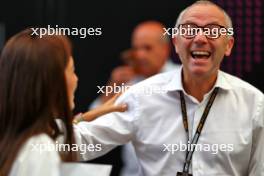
[(189, 154)]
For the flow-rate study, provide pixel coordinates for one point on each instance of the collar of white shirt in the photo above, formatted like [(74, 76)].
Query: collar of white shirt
[(176, 82)]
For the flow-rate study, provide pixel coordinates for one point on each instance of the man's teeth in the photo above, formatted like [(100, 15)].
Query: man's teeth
[(196, 54), (201, 53)]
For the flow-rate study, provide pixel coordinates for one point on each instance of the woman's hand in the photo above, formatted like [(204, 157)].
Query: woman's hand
[(107, 107)]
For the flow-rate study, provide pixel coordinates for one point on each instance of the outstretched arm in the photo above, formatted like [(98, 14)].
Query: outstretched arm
[(107, 107)]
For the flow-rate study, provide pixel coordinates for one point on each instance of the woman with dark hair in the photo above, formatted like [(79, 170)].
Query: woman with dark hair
[(37, 85)]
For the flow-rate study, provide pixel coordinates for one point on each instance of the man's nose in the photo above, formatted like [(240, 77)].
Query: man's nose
[(140, 54), (141, 51), (200, 38)]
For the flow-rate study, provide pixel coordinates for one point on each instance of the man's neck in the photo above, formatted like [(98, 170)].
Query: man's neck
[(198, 86)]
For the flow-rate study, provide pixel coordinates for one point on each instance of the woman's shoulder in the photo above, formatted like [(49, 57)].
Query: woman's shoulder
[(37, 156), (39, 145), (42, 138)]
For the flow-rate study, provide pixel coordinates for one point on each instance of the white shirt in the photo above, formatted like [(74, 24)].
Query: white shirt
[(39, 156), (154, 121), (130, 161), (33, 161)]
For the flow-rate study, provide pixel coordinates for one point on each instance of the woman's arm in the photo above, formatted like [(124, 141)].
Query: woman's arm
[(105, 108)]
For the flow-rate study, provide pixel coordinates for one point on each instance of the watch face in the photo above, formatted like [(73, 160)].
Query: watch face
[(183, 174)]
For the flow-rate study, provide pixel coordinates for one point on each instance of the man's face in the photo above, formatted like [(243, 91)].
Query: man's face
[(201, 56), (150, 52)]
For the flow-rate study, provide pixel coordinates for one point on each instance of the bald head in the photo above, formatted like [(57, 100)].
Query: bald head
[(151, 47), (227, 19), (151, 29)]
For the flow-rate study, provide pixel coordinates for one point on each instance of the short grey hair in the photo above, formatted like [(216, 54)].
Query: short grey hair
[(205, 2)]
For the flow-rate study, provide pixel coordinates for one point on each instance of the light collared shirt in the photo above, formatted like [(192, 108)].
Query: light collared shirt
[(130, 161), (231, 143)]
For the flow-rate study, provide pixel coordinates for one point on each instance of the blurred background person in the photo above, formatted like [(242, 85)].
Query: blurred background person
[(149, 55)]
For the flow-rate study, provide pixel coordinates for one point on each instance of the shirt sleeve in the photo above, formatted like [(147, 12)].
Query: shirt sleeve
[(256, 166), (107, 131)]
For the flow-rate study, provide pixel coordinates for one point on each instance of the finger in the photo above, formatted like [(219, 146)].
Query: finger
[(114, 98), (120, 108)]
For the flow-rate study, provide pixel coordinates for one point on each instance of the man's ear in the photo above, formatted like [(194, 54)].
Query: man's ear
[(174, 41), (229, 46)]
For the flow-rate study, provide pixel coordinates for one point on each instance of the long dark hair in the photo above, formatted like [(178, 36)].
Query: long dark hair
[(32, 91)]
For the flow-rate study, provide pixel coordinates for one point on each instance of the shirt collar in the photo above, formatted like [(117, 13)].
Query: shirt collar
[(222, 82), (175, 83)]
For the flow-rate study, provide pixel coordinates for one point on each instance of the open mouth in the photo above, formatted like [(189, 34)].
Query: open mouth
[(200, 54)]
